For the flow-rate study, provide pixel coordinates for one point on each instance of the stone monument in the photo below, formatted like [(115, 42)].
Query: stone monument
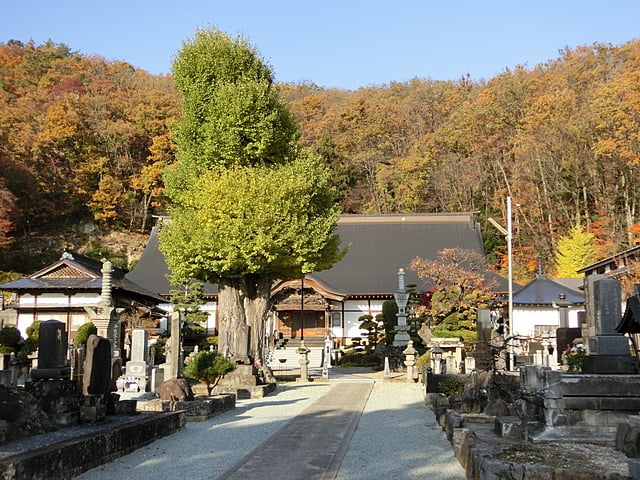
[(105, 318), (303, 351), (96, 381), (97, 367), (52, 383), (607, 350), (401, 338), (52, 352), (410, 354), (137, 370)]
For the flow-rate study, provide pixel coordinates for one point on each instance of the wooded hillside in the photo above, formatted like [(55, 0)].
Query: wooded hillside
[(85, 140)]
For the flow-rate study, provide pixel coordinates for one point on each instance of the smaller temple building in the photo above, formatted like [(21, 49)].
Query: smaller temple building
[(70, 290)]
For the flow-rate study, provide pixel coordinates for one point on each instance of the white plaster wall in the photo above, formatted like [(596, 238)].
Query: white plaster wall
[(52, 299), (84, 299), (27, 299), (526, 318), (24, 320), (354, 309)]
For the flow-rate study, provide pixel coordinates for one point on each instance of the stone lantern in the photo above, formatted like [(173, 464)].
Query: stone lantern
[(303, 351), (410, 361), (436, 360)]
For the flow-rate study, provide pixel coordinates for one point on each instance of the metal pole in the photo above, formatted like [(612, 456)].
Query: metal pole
[(510, 260), (302, 308)]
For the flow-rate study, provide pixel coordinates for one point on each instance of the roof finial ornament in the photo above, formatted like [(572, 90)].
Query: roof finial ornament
[(540, 270), (66, 255)]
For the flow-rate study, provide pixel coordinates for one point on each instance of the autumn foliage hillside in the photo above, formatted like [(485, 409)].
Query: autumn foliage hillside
[(83, 142)]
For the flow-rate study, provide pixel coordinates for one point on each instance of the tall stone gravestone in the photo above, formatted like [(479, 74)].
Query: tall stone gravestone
[(52, 384), (607, 350), (137, 369), (483, 355), (97, 367), (96, 380), (52, 352)]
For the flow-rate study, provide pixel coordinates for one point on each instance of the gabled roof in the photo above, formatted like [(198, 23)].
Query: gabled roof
[(151, 270), (379, 245), (76, 272), (544, 291)]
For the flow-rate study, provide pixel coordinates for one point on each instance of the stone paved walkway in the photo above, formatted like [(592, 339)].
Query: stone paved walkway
[(356, 426), (313, 443)]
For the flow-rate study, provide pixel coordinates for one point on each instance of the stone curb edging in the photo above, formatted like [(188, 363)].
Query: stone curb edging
[(69, 458)]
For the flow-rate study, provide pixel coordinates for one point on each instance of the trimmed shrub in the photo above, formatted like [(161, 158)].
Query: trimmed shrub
[(451, 386), (208, 368), (83, 333), (10, 339), (359, 359)]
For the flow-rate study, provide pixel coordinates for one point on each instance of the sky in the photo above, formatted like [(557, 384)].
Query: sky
[(345, 44)]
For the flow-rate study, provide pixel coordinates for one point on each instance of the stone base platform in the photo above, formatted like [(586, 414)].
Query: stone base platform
[(198, 410), (245, 392), (68, 452)]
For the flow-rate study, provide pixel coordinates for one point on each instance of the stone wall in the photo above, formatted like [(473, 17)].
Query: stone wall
[(67, 459)]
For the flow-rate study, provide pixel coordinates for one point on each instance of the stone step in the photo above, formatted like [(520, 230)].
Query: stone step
[(288, 358)]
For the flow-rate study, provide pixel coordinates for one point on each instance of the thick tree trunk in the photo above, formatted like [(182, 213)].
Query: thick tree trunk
[(231, 317), (243, 307)]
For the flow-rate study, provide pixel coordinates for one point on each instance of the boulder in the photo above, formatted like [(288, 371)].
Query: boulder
[(176, 390)]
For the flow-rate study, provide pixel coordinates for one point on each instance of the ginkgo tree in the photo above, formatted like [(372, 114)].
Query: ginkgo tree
[(248, 205), (574, 251)]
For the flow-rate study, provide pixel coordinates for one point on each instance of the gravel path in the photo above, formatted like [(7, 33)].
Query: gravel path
[(397, 437)]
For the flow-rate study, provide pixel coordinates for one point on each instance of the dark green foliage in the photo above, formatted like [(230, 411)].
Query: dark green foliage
[(158, 347), (208, 368), (206, 342), (394, 354), (100, 252), (390, 319), (31, 342), (373, 328), (10, 339), (451, 386), (83, 333), (359, 359)]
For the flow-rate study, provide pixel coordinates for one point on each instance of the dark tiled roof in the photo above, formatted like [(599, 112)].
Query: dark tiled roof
[(89, 278), (379, 245), (544, 291), (151, 271)]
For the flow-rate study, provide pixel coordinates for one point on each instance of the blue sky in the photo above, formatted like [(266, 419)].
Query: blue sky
[(334, 43)]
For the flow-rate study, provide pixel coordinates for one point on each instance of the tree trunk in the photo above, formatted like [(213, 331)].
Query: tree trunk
[(231, 317), (243, 305)]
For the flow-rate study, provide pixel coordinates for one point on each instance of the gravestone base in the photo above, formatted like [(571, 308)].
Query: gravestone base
[(52, 388), (93, 413), (126, 407), (246, 392), (608, 345), (243, 375), (243, 383), (610, 365), (64, 411), (63, 373), (197, 410)]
